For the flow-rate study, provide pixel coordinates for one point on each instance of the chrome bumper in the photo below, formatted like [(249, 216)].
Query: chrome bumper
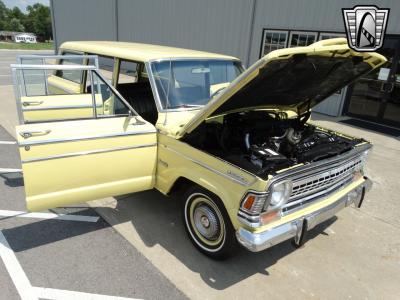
[(295, 229)]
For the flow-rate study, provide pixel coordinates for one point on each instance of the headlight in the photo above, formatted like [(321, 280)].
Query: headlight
[(280, 193)]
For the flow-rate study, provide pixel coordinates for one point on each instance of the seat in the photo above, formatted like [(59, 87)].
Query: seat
[(140, 97)]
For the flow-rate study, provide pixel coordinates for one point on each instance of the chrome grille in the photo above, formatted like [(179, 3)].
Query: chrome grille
[(323, 180)]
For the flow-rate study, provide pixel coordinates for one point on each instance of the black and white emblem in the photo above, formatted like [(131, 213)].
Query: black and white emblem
[(365, 27)]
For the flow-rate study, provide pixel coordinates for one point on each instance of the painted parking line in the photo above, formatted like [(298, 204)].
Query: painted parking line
[(17, 274), (8, 143), (27, 292), (8, 170), (71, 295), (39, 215)]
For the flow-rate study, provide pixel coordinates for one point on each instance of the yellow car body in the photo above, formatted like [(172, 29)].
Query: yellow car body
[(72, 161)]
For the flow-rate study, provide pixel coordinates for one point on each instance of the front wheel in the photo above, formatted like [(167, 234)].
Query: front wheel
[(207, 223)]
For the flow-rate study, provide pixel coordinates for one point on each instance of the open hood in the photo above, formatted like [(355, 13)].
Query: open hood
[(293, 79)]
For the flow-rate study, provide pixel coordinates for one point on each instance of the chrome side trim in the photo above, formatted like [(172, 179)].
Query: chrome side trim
[(74, 154), (104, 136), (60, 107), (227, 175), (52, 67)]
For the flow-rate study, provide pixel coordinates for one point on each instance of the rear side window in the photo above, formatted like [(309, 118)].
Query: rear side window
[(71, 75), (106, 67), (127, 72)]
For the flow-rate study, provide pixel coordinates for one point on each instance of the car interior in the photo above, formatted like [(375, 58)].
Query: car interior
[(140, 97), (136, 91)]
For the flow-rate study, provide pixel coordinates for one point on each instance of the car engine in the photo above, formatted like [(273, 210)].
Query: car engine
[(264, 142)]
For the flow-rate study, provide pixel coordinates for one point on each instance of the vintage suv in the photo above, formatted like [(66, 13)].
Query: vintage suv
[(234, 145)]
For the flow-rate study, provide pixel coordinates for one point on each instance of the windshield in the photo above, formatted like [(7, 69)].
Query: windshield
[(192, 83)]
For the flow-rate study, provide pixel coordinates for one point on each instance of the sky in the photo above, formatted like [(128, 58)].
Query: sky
[(22, 4)]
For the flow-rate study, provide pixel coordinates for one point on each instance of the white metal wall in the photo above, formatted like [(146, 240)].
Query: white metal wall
[(83, 20), (232, 27), (313, 15), (210, 25)]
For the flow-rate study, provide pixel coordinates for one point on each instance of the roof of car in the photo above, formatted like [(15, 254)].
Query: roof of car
[(138, 51)]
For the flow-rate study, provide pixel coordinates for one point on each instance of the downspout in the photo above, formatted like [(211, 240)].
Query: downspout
[(251, 31), (116, 31), (53, 26)]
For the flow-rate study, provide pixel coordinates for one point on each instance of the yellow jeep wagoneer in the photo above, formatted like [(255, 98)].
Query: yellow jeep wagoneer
[(234, 144)]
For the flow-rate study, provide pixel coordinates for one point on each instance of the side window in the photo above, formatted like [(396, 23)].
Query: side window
[(273, 40), (71, 75), (329, 35), (106, 67), (127, 72), (302, 38), (108, 103)]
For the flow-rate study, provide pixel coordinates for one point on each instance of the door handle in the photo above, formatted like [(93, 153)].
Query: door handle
[(29, 103), (28, 134)]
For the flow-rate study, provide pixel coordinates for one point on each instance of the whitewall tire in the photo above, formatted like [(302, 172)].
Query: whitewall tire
[(207, 223)]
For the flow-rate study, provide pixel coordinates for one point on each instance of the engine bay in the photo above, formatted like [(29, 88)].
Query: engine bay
[(263, 142)]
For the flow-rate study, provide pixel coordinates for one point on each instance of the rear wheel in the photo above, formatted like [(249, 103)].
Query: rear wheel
[(207, 223)]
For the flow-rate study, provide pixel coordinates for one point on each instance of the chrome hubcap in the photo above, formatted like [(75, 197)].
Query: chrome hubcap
[(206, 222)]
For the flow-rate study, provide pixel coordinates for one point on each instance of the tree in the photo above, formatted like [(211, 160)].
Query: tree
[(38, 21), (3, 15), (16, 13), (14, 25)]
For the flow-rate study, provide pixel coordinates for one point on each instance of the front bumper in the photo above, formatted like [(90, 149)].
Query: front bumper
[(296, 228)]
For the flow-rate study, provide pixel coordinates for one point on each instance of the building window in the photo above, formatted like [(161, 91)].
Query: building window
[(330, 35), (273, 40), (302, 38)]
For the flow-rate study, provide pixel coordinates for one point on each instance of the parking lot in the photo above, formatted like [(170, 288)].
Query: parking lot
[(135, 246)]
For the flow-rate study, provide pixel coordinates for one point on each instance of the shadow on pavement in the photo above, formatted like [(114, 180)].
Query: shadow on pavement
[(13, 179), (157, 220), (43, 232)]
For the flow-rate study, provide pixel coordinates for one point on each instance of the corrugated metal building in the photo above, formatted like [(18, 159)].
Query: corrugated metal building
[(247, 29)]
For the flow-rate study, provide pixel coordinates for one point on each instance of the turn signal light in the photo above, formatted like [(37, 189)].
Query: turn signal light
[(248, 203)]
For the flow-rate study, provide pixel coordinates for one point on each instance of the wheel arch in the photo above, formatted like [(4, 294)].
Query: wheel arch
[(182, 183)]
